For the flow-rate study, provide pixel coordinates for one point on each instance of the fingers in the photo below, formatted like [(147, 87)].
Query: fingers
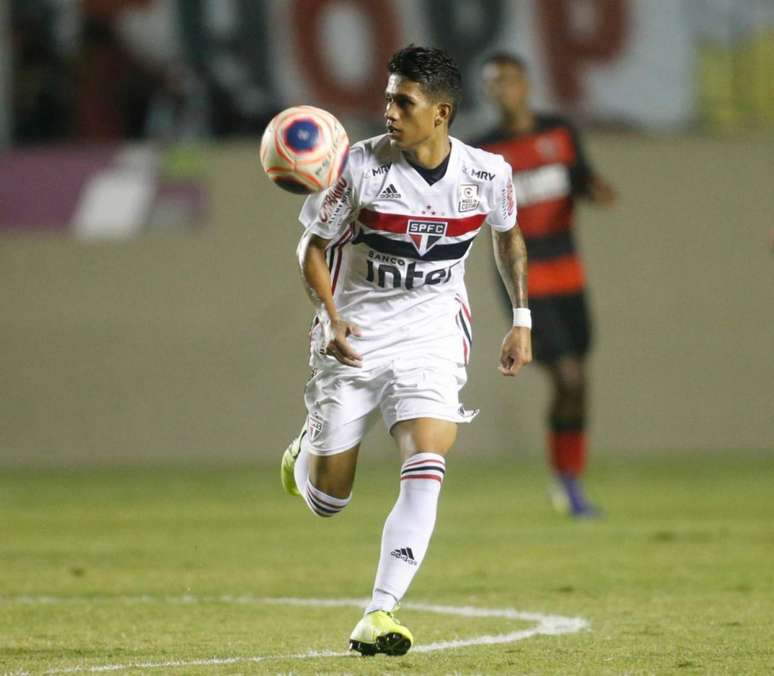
[(344, 354), (354, 330), (510, 367), (511, 364)]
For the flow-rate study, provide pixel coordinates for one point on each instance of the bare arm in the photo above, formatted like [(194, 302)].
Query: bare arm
[(317, 282), (511, 259)]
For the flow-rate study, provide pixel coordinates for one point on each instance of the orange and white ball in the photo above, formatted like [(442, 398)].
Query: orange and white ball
[(304, 149)]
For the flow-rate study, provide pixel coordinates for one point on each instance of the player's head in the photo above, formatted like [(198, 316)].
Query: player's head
[(506, 82), (423, 93)]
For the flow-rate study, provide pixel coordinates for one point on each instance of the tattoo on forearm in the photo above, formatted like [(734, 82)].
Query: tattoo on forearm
[(511, 258)]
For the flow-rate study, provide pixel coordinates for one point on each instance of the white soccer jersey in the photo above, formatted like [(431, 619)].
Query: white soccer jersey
[(398, 247)]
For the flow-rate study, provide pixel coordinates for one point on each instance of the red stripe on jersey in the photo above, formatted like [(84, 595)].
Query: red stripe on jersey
[(341, 239), (536, 149), (338, 255), (556, 276), (398, 223), (465, 309), (545, 218), (529, 152)]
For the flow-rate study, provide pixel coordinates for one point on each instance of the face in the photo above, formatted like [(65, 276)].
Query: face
[(411, 116), (506, 85)]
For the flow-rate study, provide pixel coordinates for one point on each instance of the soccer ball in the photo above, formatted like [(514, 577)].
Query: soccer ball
[(304, 149)]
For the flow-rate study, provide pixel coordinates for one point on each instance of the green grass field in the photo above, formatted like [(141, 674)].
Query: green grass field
[(172, 571)]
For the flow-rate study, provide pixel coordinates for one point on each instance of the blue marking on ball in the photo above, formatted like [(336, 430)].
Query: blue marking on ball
[(302, 135)]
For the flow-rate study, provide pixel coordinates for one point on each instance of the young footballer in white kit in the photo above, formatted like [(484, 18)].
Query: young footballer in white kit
[(383, 260)]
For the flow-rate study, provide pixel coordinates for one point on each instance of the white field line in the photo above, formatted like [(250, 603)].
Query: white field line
[(546, 625)]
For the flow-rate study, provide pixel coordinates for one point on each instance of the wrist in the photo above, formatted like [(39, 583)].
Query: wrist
[(522, 317), (327, 316)]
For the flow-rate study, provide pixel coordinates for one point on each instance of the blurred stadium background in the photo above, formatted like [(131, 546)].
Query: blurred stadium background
[(151, 312)]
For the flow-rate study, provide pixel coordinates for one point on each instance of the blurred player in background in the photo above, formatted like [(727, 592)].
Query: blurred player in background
[(383, 259), (550, 170)]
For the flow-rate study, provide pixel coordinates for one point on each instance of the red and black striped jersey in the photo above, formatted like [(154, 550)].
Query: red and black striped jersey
[(550, 170)]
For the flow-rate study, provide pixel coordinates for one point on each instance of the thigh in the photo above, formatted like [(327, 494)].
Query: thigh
[(338, 406), (568, 373), (427, 387), (550, 334), (334, 474), (575, 315), (424, 435), (561, 327)]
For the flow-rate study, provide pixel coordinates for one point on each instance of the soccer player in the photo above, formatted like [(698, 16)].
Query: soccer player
[(383, 260), (550, 170)]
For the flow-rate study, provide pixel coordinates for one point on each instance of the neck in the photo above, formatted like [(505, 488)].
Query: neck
[(519, 121), (430, 153)]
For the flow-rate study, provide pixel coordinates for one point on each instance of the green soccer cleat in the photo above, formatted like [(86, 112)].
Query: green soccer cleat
[(289, 457), (380, 632)]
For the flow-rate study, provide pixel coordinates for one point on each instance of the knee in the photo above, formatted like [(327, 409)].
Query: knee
[(570, 380), (322, 503)]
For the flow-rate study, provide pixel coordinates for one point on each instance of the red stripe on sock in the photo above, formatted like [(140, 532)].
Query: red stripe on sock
[(421, 476), (568, 451)]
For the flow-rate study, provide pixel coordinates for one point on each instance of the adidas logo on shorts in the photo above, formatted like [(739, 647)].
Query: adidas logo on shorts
[(390, 193)]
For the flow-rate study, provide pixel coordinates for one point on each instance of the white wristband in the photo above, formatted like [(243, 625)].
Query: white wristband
[(522, 317)]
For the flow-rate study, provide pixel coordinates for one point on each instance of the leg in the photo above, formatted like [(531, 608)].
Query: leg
[(422, 434), (562, 337), (423, 443), (320, 463), (568, 404), (324, 481), (334, 474), (567, 430)]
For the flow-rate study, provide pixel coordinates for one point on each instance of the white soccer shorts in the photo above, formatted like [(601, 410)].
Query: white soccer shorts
[(340, 399)]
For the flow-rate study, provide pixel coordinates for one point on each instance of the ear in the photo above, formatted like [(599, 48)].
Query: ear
[(443, 113)]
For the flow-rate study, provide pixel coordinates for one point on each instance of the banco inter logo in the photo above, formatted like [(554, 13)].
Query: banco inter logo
[(425, 234)]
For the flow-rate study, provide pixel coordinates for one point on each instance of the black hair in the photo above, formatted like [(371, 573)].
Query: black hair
[(506, 59), (434, 70)]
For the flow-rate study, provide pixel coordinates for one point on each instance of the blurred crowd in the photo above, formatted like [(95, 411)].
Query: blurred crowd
[(101, 70), (80, 80)]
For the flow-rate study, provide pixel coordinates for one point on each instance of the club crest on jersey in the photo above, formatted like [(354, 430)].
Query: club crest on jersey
[(425, 234), (468, 197)]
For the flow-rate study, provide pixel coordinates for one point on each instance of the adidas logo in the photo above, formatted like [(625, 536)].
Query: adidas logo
[(404, 554), (390, 193)]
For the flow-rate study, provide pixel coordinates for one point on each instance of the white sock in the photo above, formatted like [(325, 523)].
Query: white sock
[(408, 528), (320, 503)]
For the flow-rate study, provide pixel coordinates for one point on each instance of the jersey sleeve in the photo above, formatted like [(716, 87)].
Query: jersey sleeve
[(502, 215), (329, 212)]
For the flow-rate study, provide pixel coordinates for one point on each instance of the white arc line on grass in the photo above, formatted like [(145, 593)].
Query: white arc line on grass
[(546, 625)]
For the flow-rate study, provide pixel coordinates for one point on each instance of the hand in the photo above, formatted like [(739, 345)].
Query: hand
[(516, 350), (601, 192), (335, 334)]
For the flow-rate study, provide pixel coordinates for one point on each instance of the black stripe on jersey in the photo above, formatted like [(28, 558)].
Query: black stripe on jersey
[(385, 245), (550, 246)]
